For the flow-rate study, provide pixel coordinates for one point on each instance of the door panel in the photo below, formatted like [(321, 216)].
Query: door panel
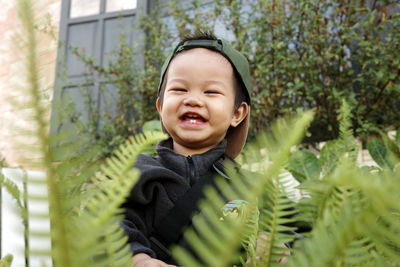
[(82, 36), (113, 29), (96, 35)]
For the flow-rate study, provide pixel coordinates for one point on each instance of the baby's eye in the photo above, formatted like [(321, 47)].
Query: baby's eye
[(178, 90), (212, 92)]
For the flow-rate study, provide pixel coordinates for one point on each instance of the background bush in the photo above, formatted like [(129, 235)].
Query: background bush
[(303, 55), (311, 54)]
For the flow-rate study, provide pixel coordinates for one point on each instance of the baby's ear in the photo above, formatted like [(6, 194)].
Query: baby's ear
[(240, 114), (158, 105)]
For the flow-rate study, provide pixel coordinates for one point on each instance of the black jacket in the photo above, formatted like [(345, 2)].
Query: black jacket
[(164, 179)]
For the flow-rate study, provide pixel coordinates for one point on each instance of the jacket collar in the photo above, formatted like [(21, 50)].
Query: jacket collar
[(202, 162)]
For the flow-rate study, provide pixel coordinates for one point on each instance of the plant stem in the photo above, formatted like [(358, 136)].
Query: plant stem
[(58, 228)]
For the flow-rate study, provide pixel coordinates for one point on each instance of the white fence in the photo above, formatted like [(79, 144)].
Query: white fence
[(12, 230)]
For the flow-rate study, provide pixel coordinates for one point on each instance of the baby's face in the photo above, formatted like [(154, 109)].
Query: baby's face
[(198, 104)]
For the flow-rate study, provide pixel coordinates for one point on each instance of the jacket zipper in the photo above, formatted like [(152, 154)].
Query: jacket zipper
[(192, 174)]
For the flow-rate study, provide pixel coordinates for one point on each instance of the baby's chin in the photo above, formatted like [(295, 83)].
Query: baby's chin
[(194, 145)]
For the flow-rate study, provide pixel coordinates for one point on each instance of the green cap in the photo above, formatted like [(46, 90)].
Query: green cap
[(236, 138), (237, 59)]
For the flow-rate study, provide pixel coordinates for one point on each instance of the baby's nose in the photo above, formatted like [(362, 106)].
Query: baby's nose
[(193, 100)]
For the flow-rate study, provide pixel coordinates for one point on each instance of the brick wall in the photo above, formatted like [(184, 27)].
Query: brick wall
[(12, 68)]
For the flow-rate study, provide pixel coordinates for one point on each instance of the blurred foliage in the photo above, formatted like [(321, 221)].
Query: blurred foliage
[(303, 55), (353, 211), (342, 214), (6, 261)]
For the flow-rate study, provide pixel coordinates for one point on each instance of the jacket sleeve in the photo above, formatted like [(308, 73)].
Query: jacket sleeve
[(136, 230), (149, 201), (137, 213)]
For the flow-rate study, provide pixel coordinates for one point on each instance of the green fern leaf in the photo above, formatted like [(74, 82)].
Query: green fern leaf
[(330, 155), (250, 236), (318, 194), (360, 222), (343, 148), (216, 241), (13, 190), (277, 213), (6, 261), (38, 155), (346, 136), (96, 230)]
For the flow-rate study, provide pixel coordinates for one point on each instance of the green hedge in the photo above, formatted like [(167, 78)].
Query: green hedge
[(303, 55), (312, 54)]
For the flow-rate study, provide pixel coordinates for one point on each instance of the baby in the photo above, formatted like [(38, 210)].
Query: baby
[(204, 106)]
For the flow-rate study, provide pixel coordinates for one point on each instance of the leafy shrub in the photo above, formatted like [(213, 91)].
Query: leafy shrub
[(312, 54), (303, 55)]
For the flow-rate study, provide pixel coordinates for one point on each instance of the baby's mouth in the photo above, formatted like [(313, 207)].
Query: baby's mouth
[(192, 118)]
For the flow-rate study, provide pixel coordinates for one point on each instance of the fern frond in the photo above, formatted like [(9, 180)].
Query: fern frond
[(38, 154), (277, 214), (329, 240), (216, 241), (327, 244), (358, 253), (381, 225), (360, 224), (342, 149), (312, 206), (6, 260), (346, 136), (250, 233), (12, 189), (96, 231), (329, 156)]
